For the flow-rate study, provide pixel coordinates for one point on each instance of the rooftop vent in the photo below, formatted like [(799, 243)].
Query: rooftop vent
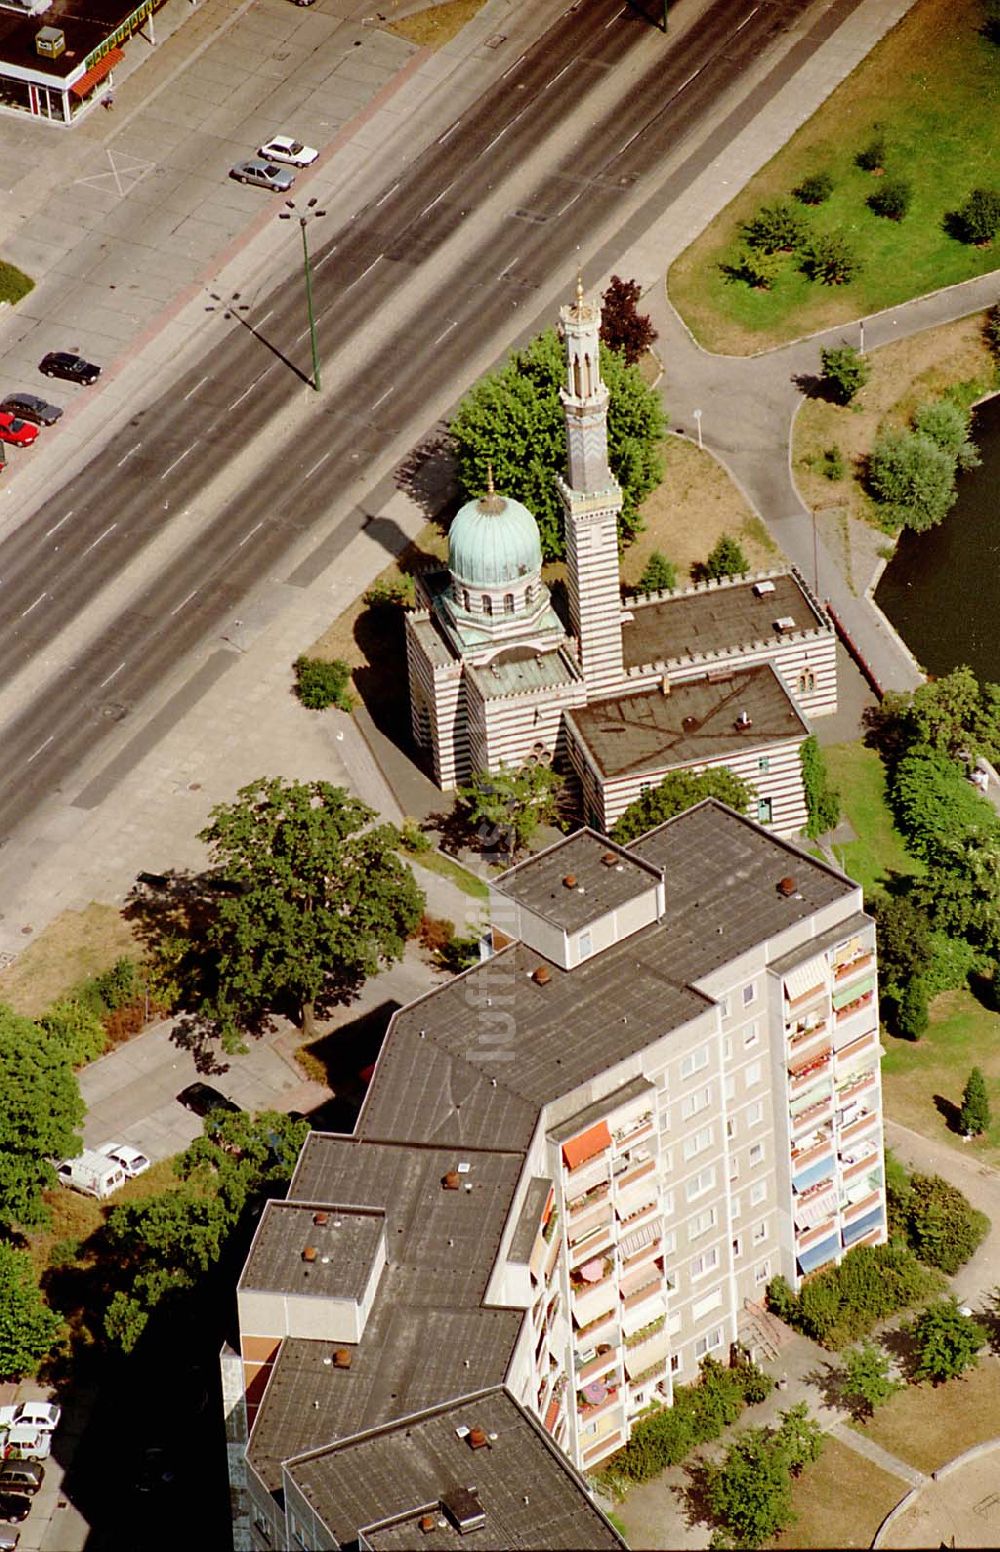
[(784, 624), (542, 976), (451, 1181), (690, 724), (786, 887), (50, 42), (321, 1218), (309, 1254), (569, 882), (427, 1523), (478, 1439), (609, 859), (341, 1358), (464, 1510), (744, 720), (761, 589)]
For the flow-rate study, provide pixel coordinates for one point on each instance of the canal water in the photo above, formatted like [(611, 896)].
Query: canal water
[(941, 590)]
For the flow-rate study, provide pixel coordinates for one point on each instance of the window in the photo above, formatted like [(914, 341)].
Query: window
[(727, 1049), (705, 1306), (707, 1262), (673, 1325), (749, 993), (708, 1343), (758, 1193), (675, 1363), (764, 811), (700, 1183), (487, 604), (670, 1279), (807, 681), (668, 1203), (762, 1273), (734, 1167), (702, 1223), (724, 1007), (666, 1161), (757, 1153), (529, 595), (700, 1099), (670, 1242), (755, 1113), (751, 1035), (694, 1062), (760, 1232), (735, 1208), (731, 1128), (752, 1075), (738, 1246), (698, 1143), (586, 945), (508, 603), (262, 1524), (729, 1086), (665, 1119), (764, 764), (465, 599)]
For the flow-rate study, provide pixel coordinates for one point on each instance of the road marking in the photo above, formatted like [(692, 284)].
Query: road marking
[(194, 390), (314, 468), (34, 605), (614, 18), (40, 748), (387, 194), (128, 455), (448, 132), (111, 676), (500, 136), (446, 331), (58, 525), (381, 396), (250, 535), (559, 77), (435, 201), (512, 67), (266, 316), (364, 272), (245, 393), (184, 601), (318, 263), (97, 541), (176, 461)]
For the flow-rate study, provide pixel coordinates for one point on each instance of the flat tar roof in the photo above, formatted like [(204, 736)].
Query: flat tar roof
[(344, 1244), (604, 877), (716, 619)]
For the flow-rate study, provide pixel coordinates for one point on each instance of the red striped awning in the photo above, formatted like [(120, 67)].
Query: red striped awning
[(97, 72)]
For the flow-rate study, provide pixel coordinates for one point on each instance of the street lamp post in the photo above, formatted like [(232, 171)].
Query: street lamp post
[(697, 419), (303, 220)]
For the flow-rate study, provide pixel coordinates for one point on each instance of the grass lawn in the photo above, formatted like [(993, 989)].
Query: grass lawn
[(934, 85), (436, 25), (14, 283), (74, 1217), (879, 850), (76, 945), (928, 1426), (840, 1501), (436, 862), (922, 1082)]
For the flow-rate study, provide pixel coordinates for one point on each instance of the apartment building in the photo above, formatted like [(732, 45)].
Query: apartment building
[(577, 1167)]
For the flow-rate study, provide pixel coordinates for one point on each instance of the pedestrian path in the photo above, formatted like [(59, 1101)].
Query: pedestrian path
[(862, 1445)]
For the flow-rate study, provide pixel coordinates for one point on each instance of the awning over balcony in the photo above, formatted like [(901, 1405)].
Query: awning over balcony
[(818, 1255), (639, 1238), (852, 993), (815, 1209), (639, 1359), (587, 1146), (805, 979)]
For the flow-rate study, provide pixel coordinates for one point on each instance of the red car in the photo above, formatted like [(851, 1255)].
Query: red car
[(21, 432)]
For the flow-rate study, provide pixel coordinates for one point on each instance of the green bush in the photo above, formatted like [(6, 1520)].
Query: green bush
[(912, 477), (845, 372), (394, 593), (726, 560), (822, 800), (659, 576), (911, 1017), (319, 684), (991, 328), (871, 158), (831, 260), (892, 199), (978, 220), (413, 839), (754, 267), (832, 465), (951, 962), (78, 1028), (814, 189), (948, 424), (700, 1412), (976, 1117), (944, 1228), (777, 228), (842, 1303)]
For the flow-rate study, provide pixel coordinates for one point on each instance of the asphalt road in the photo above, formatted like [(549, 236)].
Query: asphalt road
[(589, 127)]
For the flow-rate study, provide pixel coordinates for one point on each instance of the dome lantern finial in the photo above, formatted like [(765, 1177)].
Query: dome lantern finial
[(491, 502)]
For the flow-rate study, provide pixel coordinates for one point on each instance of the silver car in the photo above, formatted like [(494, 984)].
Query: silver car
[(266, 175)]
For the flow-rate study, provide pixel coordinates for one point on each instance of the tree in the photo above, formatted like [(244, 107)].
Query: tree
[(750, 1494), (822, 800), (623, 327), (40, 1109), (934, 804), (845, 372), (28, 1328), (975, 1105), (867, 1380), (912, 478), (726, 560), (892, 199), (912, 1018), (513, 421), (872, 156), (944, 1228), (991, 20), (946, 1341), (317, 901), (799, 1438), (758, 269), (959, 890), (240, 1158), (830, 259), (815, 189), (78, 1029), (903, 934), (777, 228), (507, 807), (322, 682), (978, 220), (948, 425), (659, 576), (677, 792)]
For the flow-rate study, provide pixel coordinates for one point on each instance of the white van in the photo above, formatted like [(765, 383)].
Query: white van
[(92, 1173)]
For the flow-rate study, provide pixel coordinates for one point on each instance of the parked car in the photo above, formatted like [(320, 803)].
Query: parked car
[(266, 175), (14, 1507), (19, 432), (91, 1173), (284, 149), (39, 1414), (30, 407), (203, 1099), (131, 1160), (25, 1442), (20, 1476), (62, 363)]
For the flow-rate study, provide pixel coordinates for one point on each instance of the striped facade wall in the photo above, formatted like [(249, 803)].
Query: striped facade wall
[(504, 730), (805, 662), (438, 714), (780, 784), (593, 585)]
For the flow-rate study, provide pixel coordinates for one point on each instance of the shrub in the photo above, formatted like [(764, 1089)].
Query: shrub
[(777, 228), (726, 560), (832, 465), (120, 986), (872, 156), (867, 1380), (435, 934), (842, 1303), (814, 189), (319, 683), (822, 800), (947, 424), (753, 266), (659, 576), (912, 477), (78, 1029), (944, 1228), (413, 839), (951, 962), (947, 1342), (699, 1414), (911, 1017), (749, 1494), (831, 260), (845, 372), (891, 199), (391, 593), (978, 220), (975, 1105)]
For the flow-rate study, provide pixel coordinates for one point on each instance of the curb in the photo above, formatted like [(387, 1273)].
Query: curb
[(946, 1470)]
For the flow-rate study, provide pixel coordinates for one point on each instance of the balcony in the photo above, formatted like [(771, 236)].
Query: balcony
[(807, 1072), (600, 1243), (586, 1176), (589, 1198), (812, 1115), (587, 1223), (602, 1447), (634, 1215), (865, 961), (645, 1288), (604, 1329), (800, 1036), (852, 1164), (634, 1172), (861, 1124), (642, 1255), (850, 1211), (606, 1359), (634, 1130), (809, 1151), (815, 1234), (854, 1086), (588, 1406), (864, 1043), (850, 1010)]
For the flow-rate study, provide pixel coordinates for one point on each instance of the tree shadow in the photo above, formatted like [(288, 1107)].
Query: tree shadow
[(694, 1493), (429, 477), (812, 385), (347, 1053), (900, 1346), (829, 1379), (986, 990), (950, 1112)]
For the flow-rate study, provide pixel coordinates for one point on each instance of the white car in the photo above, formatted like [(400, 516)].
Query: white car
[(131, 1160), (36, 1414), (284, 149), (25, 1442)]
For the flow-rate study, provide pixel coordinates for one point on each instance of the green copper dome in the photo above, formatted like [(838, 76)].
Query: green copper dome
[(493, 541)]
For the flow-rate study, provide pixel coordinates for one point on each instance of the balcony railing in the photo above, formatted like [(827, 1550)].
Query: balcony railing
[(801, 1035), (599, 1365), (588, 1410), (850, 1211), (809, 1152), (637, 1172), (864, 961), (849, 1009), (855, 1085), (604, 1446), (590, 1198), (811, 1114), (604, 1328), (851, 1165), (858, 1126), (589, 1249), (648, 1290), (589, 1223), (632, 1131), (802, 1077)]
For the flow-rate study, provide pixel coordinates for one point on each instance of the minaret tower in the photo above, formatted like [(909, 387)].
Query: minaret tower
[(592, 499)]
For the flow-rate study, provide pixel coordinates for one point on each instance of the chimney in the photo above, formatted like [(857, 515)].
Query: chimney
[(744, 720), (786, 887), (609, 859), (427, 1523), (542, 975), (451, 1181), (665, 685), (320, 1219), (569, 882), (341, 1358), (309, 1254), (478, 1439)]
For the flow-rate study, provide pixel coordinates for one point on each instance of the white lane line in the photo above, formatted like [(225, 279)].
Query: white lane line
[(361, 277), (111, 676), (266, 316), (512, 67), (110, 529), (184, 601), (180, 459), (34, 605), (486, 149), (40, 748), (388, 193), (446, 331), (128, 455), (449, 132), (246, 393), (615, 18), (312, 471), (58, 525), (747, 18), (250, 535), (437, 200), (559, 77), (318, 264), (381, 396), (191, 392)]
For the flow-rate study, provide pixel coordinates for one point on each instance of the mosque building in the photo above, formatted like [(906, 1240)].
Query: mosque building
[(717, 674)]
